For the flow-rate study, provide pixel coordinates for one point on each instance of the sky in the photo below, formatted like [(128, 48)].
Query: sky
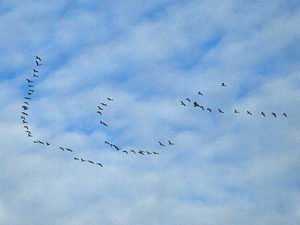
[(229, 169)]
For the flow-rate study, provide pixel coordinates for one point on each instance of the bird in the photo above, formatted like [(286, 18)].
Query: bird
[(29, 81), (274, 114), (149, 153), (62, 148), (188, 99), (35, 71), (24, 121), (99, 112), (155, 153), (82, 160), (223, 85), (106, 142), (208, 109), (26, 127), (133, 151), (34, 75), (26, 103), (47, 144), (141, 152), (23, 117), (35, 142), (29, 93), (235, 111), (29, 135), (91, 162), (103, 104), (27, 131), (30, 85), (199, 93), (37, 63), (41, 142), (76, 158), (284, 114), (220, 111), (196, 104), (100, 108), (109, 99), (100, 164), (27, 98), (161, 144), (182, 103), (31, 90), (101, 122), (38, 58), (202, 107), (70, 150), (125, 152), (262, 113), (170, 143), (25, 113), (249, 113), (116, 147), (25, 107)]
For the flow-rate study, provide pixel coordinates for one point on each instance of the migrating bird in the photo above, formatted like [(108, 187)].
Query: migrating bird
[(47, 144), (29, 135), (62, 148), (26, 103), (262, 113), (34, 75), (199, 93), (23, 117), (170, 143), (149, 153), (141, 152), (82, 160), (109, 99), (100, 108), (125, 152), (24, 121), (208, 109), (30, 85), (220, 111), (76, 158), (100, 164), (35, 142), (106, 142), (91, 162), (27, 98), (188, 99), (99, 112), (35, 71), (38, 58), (70, 150), (235, 111), (29, 81), (116, 147), (26, 127), (223, 85), (25, 107), (196, 104), (202, 107), (31, 90), (103, 104), (25, 113), (133, 151), (41, 142), (182, 103), (161, 144), (155, 153), (37, 63), (284, 114), (274, 114), (249, 113), (101, 122)]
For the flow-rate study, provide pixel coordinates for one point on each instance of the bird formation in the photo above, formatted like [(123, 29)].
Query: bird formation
[(195, 104), (25, 113), (141, 152)]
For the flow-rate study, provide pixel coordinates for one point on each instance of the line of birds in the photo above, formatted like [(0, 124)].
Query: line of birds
[(142, 152), (209, 109), (101, 109), (25, 108)]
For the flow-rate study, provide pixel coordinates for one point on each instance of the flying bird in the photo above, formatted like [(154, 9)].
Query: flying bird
[(35, 71), (99, 112), (30, 85), (125, 152), (161, 144), (188, 99), (220, 111), (29, 81), (249, 113), (62, 148), (109, 99), (182, 103), (37, 63), (155, 153), (91, 162), (202, 107), (141, 152), (106, 142), (101, 122), (274, 114), (27, 98), (26, 127), (103, 104), (262, 113), (196, 104), (116, 147), (76, 158), (149, 153), (82, 160), (70, 150), (34, 75), (208, 109), (25, 107), (31, 90), (284, 114), (25, 113), (100, 164), (26, 103), (24, 121), (47, 144), (235, 111), (170, 143), (199, 93), (100, 108), (133, 151), (38, 58), (23, 117), (223, 85), (41, 142)]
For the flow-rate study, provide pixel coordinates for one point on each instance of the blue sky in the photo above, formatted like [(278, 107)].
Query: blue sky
[(223, 169)]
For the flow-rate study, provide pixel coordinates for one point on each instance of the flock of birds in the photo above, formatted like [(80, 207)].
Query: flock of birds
[(209, 109), (26, 125), (100, 110)]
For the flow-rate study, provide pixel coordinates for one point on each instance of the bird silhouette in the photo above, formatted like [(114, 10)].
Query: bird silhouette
[(274, 114), (76, 158), (26, 103), (262, 113), (196, 104), (27, 98), (99, 112), (235, 111), (69, 150), (30, 85), (208, 109), (284, 114), (37, 63), (170, 143), (220, 111), (155, 153), (161, 144), (109, 99), (34, 75), (23, 117), (182, 103), (199, 93), (91, 162), (149, 153), (125, 152), (29, 135), (100, 164), (38, 58), (133, 151), (47, 143), (106, 142), (100, 108), (116, 147), (41, 142), (62, 148), (101, 122), (25, 107), (141, 152), (26, 127), (202, 107), (103, 104), (82, 160), (29, 81), (25, 113), (223, 85), (35, 142), (249, 113), (35, 71), (24, 121), (188, 99)]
